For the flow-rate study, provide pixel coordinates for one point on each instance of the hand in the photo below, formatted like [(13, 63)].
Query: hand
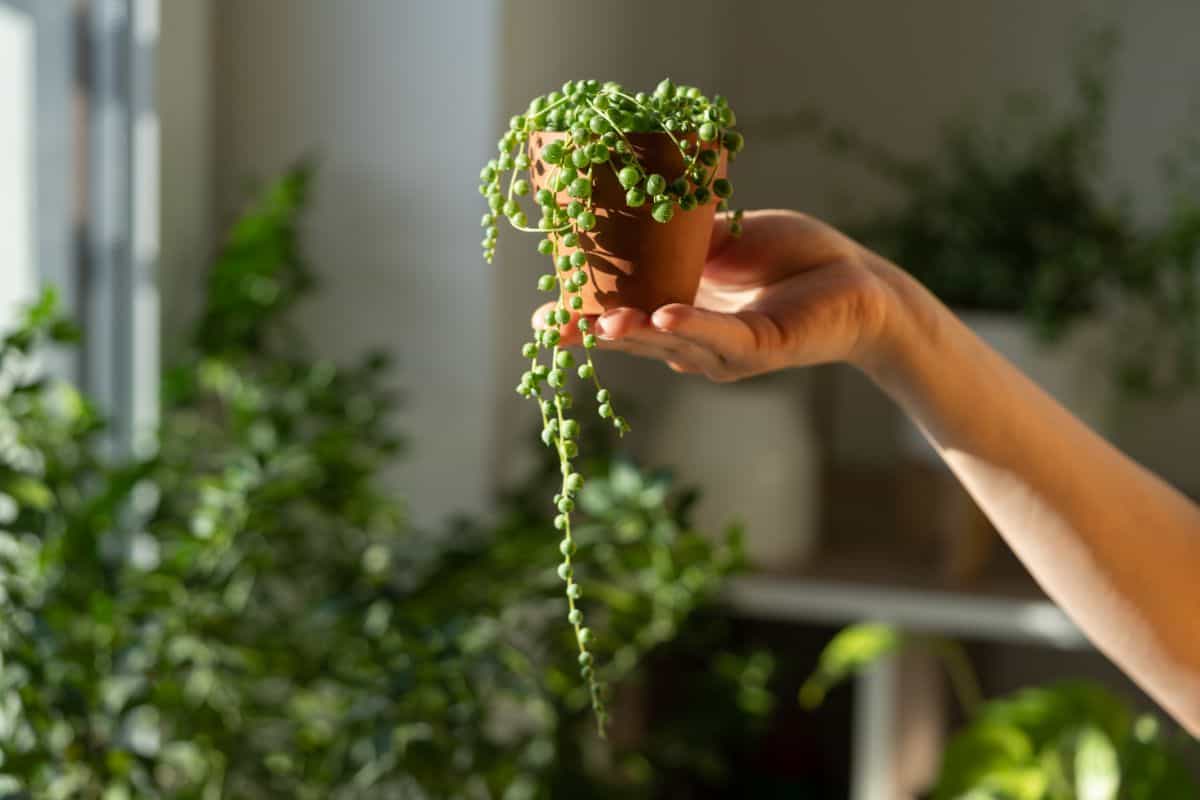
[(790, 291)]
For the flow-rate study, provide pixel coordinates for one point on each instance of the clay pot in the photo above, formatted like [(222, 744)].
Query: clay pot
[(631, 259)]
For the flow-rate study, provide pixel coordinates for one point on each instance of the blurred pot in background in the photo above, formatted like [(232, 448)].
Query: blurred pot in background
[(752, 445)]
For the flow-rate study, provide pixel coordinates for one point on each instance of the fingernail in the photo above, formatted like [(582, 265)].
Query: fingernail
[(602, 327), (660, 320)]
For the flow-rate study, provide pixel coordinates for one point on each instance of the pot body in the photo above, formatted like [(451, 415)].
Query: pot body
[(631, 259)]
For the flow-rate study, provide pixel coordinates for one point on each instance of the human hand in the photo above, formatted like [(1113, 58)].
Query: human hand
[(790, 291)]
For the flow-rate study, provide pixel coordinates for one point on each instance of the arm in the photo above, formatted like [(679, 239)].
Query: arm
[(1116, 546), (1113, 544)]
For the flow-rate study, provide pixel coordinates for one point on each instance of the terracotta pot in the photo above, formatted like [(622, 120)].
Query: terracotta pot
[(631, 259)]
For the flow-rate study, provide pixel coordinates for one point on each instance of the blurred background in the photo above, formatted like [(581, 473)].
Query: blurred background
[(289, 533)]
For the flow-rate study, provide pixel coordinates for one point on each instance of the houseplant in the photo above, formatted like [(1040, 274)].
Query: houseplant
[(609, 169), (1158, 353), (1012, 227), (774, 491), (248, 614), (1010, 215), (1071, 740), (1010, 223)]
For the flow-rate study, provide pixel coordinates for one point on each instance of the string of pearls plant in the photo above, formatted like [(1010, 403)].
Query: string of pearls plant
[(597, 120)]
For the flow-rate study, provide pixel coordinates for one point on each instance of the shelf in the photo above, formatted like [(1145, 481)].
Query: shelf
[(1014, 616)]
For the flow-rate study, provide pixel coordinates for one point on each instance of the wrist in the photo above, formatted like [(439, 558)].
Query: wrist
[(908, 327)]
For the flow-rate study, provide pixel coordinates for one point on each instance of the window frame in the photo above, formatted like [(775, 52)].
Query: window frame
[(94, 185)]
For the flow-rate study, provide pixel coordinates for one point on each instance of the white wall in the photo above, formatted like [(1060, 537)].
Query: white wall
[(395, 98), (185, 108), (367, 86)]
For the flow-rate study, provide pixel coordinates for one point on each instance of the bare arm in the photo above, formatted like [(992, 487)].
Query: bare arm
[(1116, 546), (1112, 543)]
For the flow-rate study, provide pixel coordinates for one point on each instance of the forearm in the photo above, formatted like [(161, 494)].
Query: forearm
[(1116, 546)]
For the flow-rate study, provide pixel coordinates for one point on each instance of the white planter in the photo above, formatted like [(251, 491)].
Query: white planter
[(1073, 369), (751, 450)]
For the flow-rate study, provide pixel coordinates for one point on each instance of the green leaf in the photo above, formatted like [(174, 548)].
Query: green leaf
[(853, 649), (1016, 783), (1083, 765), (992, 757), (29, 492), (42, 312), (1097, 773), (1047, 713)]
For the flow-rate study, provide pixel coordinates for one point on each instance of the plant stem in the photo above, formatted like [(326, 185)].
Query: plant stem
[(615, 127), (650, 111), (963, 679)]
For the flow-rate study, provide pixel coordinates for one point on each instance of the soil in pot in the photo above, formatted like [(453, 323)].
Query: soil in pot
[(632, 260)]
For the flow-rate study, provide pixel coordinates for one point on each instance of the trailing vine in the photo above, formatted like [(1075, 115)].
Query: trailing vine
[(595, 122)]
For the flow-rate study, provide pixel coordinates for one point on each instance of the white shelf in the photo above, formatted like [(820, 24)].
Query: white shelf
[(955, 613)]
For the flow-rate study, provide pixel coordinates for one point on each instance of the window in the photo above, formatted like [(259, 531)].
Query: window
[(79, 189), (17, 51)]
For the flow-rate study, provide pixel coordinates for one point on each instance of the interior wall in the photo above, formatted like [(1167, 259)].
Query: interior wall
[(299, 77), (393, 99), (185, 109), (893, 71)]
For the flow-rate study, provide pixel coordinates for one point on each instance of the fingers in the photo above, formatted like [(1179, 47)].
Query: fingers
[(773, 245), (687, 339), (633, 331), (679, 366), (610, 327), (726, 335), (618, 323)]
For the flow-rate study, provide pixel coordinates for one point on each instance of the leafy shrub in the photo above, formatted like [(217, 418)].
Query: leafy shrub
[(1071, 740), (248, 613)]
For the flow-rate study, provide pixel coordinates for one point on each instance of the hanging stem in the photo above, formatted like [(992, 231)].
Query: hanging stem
[(686, 112)]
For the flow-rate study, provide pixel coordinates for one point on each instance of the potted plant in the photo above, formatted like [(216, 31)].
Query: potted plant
[(626, 184), (773, 491), (1009, 225), (1072, 740), (247, 613)]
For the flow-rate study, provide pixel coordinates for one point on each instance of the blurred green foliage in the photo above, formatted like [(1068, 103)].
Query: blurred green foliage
[(1011, 216), (1158, 349), (1073, 740), (1015, 213), (248, 613), (852, 650)]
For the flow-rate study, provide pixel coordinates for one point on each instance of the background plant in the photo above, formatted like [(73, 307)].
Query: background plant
[(248, 613), (1158, 351), (1013, 214), (1072, 740), (1010, 215), (597, 119)]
